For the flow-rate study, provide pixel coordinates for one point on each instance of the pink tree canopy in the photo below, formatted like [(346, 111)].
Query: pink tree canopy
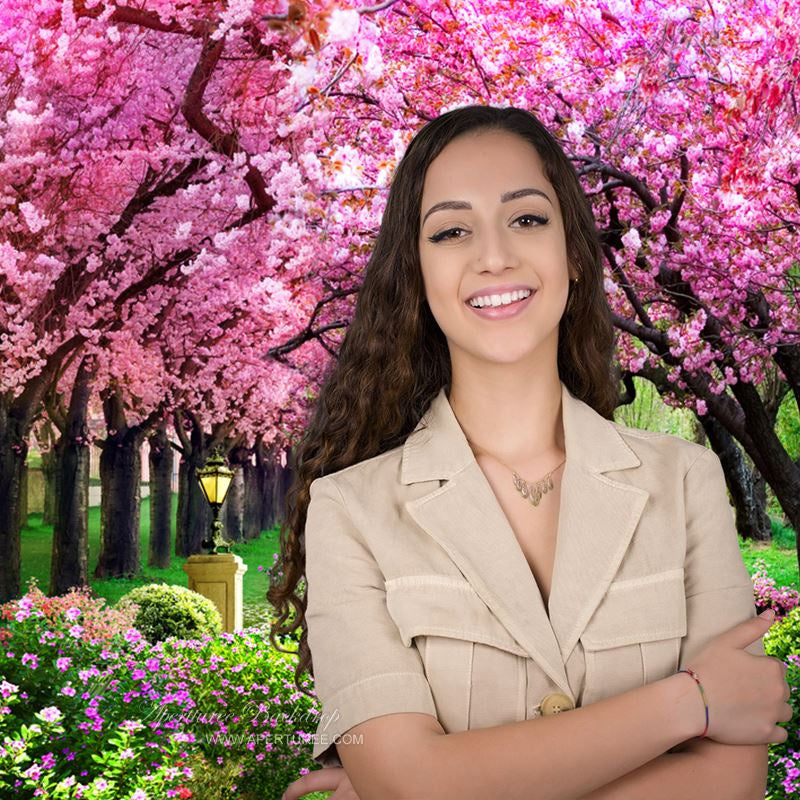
[(191, 189)]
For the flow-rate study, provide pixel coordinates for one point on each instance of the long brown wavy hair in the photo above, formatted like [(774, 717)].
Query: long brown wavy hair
[(394, 358)]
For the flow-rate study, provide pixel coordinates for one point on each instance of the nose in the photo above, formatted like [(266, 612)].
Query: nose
[(494, 252)]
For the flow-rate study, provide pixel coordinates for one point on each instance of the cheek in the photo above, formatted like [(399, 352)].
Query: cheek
[(441, 291)]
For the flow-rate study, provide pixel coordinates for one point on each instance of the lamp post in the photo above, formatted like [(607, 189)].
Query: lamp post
[(215, 478)]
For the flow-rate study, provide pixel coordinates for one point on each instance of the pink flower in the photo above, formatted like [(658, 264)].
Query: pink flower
[(30, 659), (50, 714)]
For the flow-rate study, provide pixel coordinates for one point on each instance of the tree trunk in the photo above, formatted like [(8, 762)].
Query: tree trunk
[(285, 477), (747, 488), (252, 500), (233, 512), (70, 552), (161, 458), (194, 513), (121, 480), (13, 452), (180, 520), (268, 476), (69, 562), (49, 470), (23, 497)]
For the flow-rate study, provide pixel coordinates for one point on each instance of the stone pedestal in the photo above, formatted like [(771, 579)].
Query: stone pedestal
[(219, 578)]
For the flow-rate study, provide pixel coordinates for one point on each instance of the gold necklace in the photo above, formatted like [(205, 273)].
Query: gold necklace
[(530, 491)]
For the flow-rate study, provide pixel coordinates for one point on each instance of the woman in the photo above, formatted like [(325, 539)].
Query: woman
[(484, 548)]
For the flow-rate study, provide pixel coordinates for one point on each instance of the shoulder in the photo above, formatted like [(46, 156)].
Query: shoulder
[(374, 475), (660, 450)]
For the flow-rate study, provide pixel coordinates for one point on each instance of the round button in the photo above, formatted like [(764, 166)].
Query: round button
[(556, 702)]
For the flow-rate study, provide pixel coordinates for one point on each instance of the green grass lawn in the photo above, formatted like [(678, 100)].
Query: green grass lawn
[(780, 556), (37, 547)]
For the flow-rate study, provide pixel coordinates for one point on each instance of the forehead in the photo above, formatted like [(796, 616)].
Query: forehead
[(484, 161)]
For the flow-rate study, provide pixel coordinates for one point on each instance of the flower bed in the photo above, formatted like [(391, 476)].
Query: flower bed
[(91, 710)]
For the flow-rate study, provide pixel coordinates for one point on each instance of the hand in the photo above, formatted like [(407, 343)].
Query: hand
[(328, 779), (747, 694)]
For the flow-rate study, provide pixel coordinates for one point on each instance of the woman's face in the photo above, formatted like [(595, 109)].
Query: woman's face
[(500, 228)]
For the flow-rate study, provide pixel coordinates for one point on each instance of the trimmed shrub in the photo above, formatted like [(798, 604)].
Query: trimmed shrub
[(167, 610), (782, 641)]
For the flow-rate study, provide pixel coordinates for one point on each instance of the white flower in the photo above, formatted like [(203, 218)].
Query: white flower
[(575, 129), (183, 229), (33, 218), (632, 241), (343, 24)]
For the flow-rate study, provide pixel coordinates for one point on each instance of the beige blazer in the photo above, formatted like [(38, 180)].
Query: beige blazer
[(421, 599)]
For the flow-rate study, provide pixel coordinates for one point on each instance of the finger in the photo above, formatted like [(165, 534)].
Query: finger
[(321, 780)]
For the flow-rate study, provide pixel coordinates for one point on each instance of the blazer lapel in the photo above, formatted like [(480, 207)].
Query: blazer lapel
[(596, 521)]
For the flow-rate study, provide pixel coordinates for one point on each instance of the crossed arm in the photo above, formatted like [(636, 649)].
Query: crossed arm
[(698, 769)]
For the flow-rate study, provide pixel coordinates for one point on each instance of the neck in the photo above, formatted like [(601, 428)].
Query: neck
[(519, 422)]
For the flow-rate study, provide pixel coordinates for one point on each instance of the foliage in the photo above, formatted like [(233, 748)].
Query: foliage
[(246, 708), (166, 610), (97, 621), (117, 765), (782, 641), (783, 637), (85, 703), (139, 713)]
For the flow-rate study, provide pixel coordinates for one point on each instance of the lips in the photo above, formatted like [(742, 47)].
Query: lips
[(506, 288), (505, 311)]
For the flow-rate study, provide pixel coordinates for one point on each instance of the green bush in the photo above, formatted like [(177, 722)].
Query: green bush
[(783, 638), (782, 641), (166, 610)]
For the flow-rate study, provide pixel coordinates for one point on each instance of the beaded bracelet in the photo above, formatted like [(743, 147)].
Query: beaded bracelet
[(693, 675)]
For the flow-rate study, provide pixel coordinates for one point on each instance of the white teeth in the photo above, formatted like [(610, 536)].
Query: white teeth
[(499, 299)]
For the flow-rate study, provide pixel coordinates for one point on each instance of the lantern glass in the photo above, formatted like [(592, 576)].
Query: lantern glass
[(215, 486)]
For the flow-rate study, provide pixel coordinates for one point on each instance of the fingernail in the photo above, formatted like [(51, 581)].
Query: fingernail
[(767, 613)]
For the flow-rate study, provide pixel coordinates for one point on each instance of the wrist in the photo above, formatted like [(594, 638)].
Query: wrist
[(687, 714)]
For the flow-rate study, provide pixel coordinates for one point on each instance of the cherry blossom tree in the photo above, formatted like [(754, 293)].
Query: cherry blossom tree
[(191, 190)]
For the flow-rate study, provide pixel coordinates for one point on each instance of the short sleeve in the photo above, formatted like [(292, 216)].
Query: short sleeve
[(719, 590), (362, 669)]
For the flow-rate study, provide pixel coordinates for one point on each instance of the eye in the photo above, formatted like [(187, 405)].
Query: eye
[(533, 220), (537, 218), (438, 237)]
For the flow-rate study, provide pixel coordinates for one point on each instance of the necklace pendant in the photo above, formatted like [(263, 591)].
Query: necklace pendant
[(535, 491)]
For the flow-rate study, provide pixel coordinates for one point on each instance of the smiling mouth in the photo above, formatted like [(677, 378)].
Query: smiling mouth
[(502, 305), (502, 312)]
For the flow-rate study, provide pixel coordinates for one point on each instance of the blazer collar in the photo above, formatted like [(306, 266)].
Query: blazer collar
[(597, 518)]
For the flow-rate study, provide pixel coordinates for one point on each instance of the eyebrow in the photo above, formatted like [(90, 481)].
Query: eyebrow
[(504, 198)]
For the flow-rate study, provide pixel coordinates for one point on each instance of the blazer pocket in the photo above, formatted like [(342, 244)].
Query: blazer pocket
[(475, 668), (634, 636)]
